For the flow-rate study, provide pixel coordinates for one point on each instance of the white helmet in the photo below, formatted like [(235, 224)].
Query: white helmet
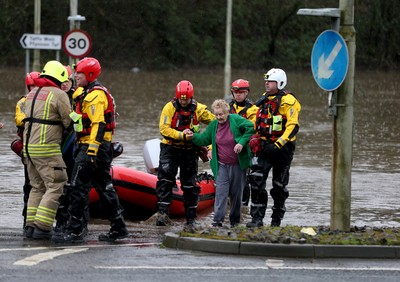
[(277, 75)]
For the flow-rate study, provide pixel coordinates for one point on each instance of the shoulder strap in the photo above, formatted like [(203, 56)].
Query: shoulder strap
[(28, 133)]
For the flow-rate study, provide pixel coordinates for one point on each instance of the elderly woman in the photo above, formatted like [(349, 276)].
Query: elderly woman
[(229, 135)]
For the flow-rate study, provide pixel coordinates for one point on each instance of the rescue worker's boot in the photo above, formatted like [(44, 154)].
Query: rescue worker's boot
[(257, 213), (191, 214), (113, 235), (68, 237), (162, 219), (278, 211), (190, 219), (40, 234), (28, 232), (275, 222), (190, 226), (118, 231), (74, 232), (254, 223)]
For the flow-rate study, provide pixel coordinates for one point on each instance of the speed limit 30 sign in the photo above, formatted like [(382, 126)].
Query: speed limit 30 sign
[(77, 43)]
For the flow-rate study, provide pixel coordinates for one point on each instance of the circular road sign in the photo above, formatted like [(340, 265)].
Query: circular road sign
[(77, 43), (329, 60)]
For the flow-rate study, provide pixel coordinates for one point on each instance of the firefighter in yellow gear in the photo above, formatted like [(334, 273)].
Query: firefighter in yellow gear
[(47, 110)]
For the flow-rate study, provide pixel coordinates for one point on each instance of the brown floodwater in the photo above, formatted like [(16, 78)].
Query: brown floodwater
[(141, 96)]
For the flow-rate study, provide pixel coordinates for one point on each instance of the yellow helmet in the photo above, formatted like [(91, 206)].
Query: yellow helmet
[(56, 70)]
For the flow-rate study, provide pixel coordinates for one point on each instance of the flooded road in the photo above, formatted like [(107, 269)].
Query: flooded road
[(141, 96)]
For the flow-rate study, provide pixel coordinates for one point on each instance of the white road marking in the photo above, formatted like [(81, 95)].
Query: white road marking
[(336, 268), (24, 249), (182, 267), (145, 267), (38, 258), (78, 246), (61, 250), (279, 265), (273, 263)]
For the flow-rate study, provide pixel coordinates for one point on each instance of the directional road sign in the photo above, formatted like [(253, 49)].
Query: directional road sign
[(41, 41), (77, 43), (329, 60)]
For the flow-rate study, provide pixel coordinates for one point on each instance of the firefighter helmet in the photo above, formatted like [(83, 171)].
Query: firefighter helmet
[(184, 90), (277, 75), (55, 70)]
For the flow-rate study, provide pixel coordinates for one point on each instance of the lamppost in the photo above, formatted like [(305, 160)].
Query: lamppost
[(74, 21)]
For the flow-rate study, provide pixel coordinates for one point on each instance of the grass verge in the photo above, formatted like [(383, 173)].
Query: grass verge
[(387, 236)]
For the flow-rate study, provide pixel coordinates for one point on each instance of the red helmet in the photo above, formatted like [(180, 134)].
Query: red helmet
[(90, 67), (184, 90), (30, 77), (69, 70), (240, 85)]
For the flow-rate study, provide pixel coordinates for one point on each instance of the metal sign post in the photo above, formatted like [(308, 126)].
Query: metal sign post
[(75, 24), (39, 42), (343, 115)]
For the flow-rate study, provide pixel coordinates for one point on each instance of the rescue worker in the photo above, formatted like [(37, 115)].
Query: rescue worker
[(243, 106), (276, 125), (17, 144), (47, 111), (94, 124), (176, 151)]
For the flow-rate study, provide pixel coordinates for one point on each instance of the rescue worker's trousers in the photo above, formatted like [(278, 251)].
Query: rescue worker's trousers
[(47, 176), (280, 164), (63, 215), (172, 158), (84, 177)]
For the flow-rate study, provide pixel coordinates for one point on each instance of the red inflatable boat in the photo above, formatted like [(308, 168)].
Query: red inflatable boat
[(137, 188)]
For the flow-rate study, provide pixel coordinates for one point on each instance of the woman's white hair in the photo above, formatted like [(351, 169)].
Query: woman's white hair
[(220, 104)]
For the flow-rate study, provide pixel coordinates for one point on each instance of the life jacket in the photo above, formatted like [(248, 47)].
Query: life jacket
[(247, 104), (184, 117), (109, 113), (270, 124)]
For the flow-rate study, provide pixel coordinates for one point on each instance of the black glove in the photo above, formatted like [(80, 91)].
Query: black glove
[(270, 150), (91, 161)]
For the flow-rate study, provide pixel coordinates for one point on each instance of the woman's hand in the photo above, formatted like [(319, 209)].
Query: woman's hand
[(238, 148), (188, 133)]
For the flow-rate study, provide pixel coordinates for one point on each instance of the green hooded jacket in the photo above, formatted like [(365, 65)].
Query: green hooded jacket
[(242, 129)]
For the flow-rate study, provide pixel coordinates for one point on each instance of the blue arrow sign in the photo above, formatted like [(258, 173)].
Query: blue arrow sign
[(329, 60)]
